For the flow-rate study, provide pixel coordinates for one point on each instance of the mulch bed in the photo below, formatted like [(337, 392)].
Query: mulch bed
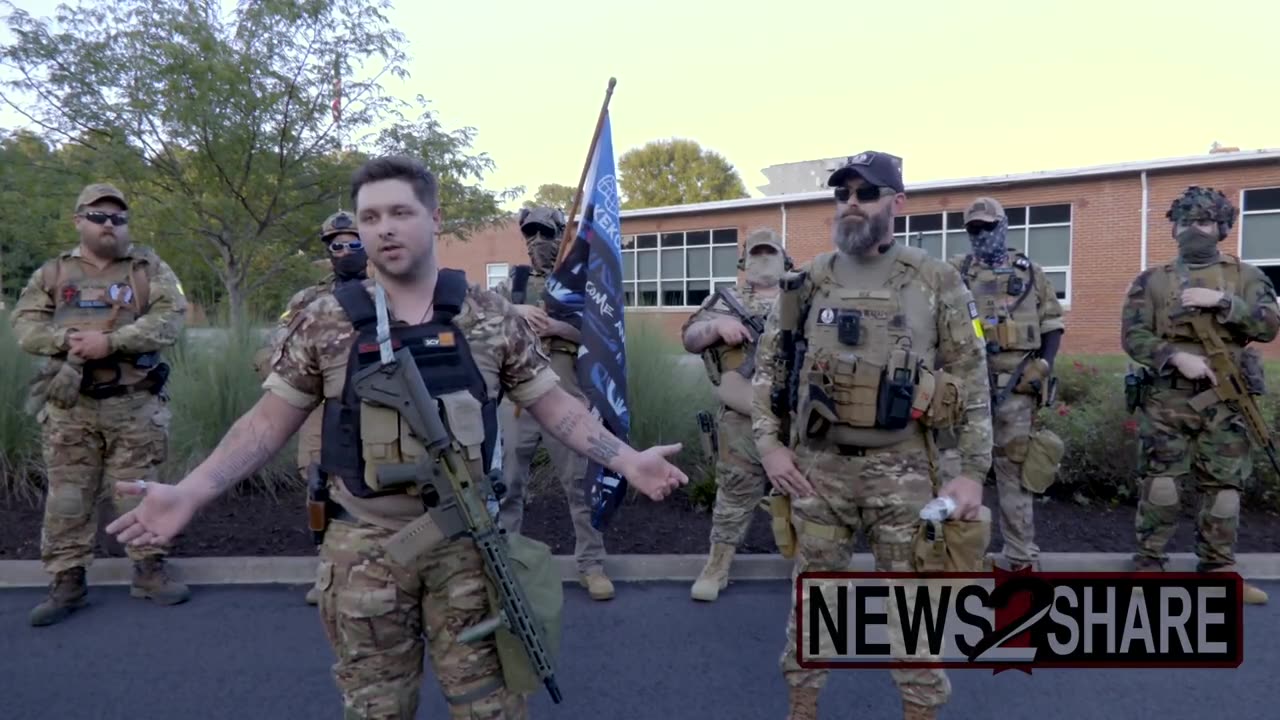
[(261, 525)]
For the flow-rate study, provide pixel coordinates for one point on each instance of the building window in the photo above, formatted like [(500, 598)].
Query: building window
[(678, 269), (495, 273), (1042, 232), (1260, 226)]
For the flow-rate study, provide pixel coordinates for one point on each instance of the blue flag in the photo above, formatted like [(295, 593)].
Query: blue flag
[(585, 290)]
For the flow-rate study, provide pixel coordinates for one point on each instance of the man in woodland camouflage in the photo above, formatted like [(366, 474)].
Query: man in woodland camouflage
[(349, 262), (543, 228), (728, 351), (1023, 327), (101, 313), (394, 581), (870, 313), (1184, 429)]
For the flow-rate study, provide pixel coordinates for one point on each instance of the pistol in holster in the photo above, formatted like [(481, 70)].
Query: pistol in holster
[(1136, 388), (707, 433), (319, 506)]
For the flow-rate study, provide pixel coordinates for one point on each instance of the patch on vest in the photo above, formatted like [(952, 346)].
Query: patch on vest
[(826, 316), (69, 293), (975, 322), (92, 298), (120, 293), (444, 339)]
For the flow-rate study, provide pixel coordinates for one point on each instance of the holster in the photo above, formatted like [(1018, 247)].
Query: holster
[(320, 508), (953, 545), (784, 533), (707, 433), (1137, 384)]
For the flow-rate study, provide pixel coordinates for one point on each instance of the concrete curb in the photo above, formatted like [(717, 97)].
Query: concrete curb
[(621, 568)]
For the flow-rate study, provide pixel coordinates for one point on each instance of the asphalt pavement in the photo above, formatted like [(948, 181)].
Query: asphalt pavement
[(238, 652)]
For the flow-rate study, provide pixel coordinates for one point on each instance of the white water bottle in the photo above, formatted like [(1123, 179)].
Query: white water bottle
[(938, 509)]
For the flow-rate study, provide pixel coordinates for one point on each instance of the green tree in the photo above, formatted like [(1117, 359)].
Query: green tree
[(676, 172), (552, 195)]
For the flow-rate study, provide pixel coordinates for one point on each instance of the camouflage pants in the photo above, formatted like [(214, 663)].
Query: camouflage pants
[(1213, 448), (521, 437), (1011, 430), (87, 449), (740, 479), (379, 616), (881, 494)]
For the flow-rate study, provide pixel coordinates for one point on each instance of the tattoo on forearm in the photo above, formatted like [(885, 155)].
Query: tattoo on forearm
[(603, 447), (245, 449), (568, 423)]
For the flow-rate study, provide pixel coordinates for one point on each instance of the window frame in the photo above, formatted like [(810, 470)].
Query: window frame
[(1260, 262), (490, 280), (631, 282)]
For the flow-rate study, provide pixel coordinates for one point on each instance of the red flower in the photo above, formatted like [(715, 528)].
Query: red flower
[(1131, 426)]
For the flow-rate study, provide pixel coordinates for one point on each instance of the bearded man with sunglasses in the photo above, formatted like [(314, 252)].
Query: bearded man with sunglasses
[(349, 262), (543, 229), (101, 313), (1023, 327), (868, 354)]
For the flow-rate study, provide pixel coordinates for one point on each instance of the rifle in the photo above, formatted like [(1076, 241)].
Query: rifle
[(454, 503), (1231, 388), (754, 325), (791, 350)]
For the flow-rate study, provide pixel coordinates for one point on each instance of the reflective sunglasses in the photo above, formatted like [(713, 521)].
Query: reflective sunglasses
[(864, 193), (101, 218), (339, 246)]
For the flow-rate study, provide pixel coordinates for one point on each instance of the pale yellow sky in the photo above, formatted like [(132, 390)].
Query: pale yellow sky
[(957, 89)]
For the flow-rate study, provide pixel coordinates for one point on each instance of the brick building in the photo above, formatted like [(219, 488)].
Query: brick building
[(1092, 228)]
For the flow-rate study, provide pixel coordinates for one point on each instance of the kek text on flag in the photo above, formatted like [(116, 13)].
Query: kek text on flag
[(585, 290), (1024, 620)]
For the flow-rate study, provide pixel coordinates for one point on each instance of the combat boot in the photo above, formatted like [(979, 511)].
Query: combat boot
[(912, 711), (598, 585), (715, 574), (313, 596), (1254, 595), (67, 593), (804, 704), (151, 580)]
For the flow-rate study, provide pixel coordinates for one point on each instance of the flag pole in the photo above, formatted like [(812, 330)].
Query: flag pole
[(570, 230)]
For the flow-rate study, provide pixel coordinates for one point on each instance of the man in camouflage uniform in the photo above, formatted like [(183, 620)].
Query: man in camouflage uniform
[(101, 312), (349, 262), (543, 228), (869, 309), (727, 348), (1182, 433), (1023, 326), (393, 584)]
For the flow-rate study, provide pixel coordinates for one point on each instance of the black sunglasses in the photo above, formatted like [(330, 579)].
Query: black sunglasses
[(101, 218), (864, 193), (976, 227)]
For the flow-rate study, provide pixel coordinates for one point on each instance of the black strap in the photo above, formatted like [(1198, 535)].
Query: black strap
[(520, 283)]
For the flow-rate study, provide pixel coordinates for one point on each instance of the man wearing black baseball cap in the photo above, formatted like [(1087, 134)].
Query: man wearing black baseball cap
[(892, 358)]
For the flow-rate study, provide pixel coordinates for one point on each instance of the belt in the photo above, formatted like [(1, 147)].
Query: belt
[(1177, 382), (111, 391)]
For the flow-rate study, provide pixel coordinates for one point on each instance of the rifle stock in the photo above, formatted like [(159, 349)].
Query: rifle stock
[(1231, 387), (454, 502)]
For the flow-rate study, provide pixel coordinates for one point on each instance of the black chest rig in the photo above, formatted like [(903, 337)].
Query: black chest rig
[(442, 355)]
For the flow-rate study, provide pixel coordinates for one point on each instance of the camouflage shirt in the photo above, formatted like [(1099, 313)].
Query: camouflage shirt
[(158, 327), (300, 300), (1250, 314), (960, 351), (311, 364)]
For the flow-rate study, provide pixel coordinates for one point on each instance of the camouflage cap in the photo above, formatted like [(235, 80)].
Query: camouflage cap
[(100, 191), (984, 209), (762, 236), (1202, 203), (337, 224), (547, 217)]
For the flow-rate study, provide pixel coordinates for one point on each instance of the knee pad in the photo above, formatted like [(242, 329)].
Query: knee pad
[(1163, 491), (1226, 504)]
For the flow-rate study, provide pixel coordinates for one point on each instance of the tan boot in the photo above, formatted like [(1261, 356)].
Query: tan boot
[(911, 711), (598, 585), (1254, 595), (313, 596), (804, 704), (715, 574), (67, 593), (151, 580)]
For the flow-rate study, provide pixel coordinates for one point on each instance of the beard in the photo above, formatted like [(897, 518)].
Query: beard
[(109, 247), (764, 271), (855, 235)]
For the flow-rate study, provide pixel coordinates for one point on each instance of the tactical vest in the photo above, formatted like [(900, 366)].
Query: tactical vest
[(357, 437), (1166, 285), (720, 358), (865, 380), (1006, 303), (526, 289), (88, 299)]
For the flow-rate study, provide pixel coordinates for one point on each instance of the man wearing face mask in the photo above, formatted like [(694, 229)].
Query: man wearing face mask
[(349, 262), (725, 343), (101, 313), (1180, 433), (543, 228), (1023, 326), (891, 353)]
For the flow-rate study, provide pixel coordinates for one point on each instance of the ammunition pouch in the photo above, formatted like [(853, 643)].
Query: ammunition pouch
[(860, 393), (1011, 335), (536, 571), (388, 440), (1034, 379), (953, 545), (1044, 452), (784, 533)]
